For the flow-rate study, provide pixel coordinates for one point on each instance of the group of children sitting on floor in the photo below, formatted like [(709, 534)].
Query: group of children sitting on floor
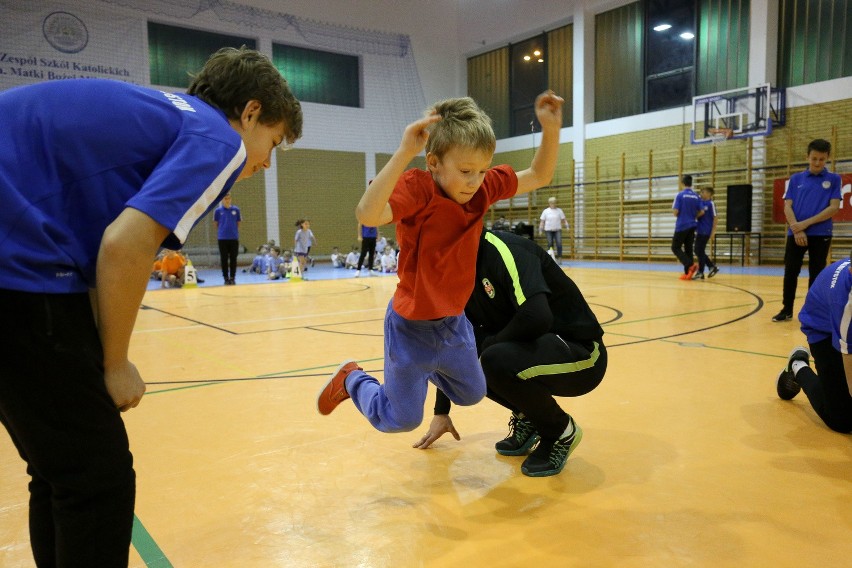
[(271, 262), (170, 265), (384, 259)]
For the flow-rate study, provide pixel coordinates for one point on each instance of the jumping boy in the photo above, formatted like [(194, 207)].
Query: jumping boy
[(96, 176), (439, 216)]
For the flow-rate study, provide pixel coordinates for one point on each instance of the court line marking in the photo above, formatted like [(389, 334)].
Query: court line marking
[(158, 559), (241, 322), (151, 554)]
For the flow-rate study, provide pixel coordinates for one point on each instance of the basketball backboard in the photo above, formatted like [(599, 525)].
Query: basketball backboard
[(737, 113)]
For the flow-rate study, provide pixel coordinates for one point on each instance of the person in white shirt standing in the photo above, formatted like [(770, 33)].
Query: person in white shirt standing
[(552, 221)]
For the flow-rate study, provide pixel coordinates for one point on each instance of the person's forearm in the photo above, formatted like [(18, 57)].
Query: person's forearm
[(823, 215), (532, 319), (122, 274), (788, 213), (372, 205), (543, 165), (442, 403)]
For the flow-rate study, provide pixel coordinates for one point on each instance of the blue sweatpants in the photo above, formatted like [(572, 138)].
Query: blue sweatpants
[(417, 351)]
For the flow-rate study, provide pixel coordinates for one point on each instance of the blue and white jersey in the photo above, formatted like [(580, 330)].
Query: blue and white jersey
[(75, 153), (705, 222), (811, 193), (828, 307), (228, 220), (688, 204), (272, 263)]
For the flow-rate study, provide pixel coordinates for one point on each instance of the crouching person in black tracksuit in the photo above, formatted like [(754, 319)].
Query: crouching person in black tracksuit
[(537, 338)]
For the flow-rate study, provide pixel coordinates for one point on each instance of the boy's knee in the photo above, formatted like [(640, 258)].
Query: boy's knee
[(471, 398), (840, 425), (405, 424)]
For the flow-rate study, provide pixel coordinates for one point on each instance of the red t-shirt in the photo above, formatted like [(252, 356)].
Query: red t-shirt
[(438, 240)]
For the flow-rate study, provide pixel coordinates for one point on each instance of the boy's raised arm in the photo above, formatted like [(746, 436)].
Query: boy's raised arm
[(548, 110), (373, 209)]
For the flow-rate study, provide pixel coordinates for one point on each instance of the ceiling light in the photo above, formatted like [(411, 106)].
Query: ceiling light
[(527, 58), (536, 53), (662, 27), (541, 60), (687, 35)]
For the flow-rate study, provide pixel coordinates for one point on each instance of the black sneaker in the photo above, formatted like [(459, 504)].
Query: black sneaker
[(522, 436), (713, 272), (545, 461), (783, 315), (786, 385), (698, 276)]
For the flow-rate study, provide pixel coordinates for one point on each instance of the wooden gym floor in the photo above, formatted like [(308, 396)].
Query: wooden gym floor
[(688, 459)]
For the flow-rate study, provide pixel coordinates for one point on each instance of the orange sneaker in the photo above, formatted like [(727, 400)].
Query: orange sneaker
[(684, 277), (334, 391), (692, 270)]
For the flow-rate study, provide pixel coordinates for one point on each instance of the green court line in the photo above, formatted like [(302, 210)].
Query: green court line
[(181, 388), (703, 345), (142, 541), (151, 554), (258, 377), (313, 368), (622, 322)]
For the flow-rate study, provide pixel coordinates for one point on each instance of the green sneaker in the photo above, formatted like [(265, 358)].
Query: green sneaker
[(522, 436), (545, 461)]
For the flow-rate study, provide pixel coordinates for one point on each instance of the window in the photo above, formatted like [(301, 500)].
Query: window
[(528, 79), (176, 52), (320, 76), (814, 41), (669, 53)]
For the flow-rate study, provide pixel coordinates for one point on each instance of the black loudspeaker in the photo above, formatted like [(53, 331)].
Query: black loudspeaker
[(738, 219), (524, 230)]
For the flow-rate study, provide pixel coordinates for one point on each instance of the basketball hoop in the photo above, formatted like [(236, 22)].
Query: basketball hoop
[(718, 135)]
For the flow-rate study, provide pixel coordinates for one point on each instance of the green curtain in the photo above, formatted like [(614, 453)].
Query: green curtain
[(723, 45), (814, 41), (619, 74), (488, 85), (560, 68), (320, 76), (175, 52)]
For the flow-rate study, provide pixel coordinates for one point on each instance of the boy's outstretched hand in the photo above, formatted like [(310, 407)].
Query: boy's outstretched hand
[(441, 424), (548, 109)]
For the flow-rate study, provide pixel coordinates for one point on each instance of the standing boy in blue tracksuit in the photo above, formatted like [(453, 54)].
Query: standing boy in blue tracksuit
[(704, 234), (812, 198), (228, 218), (686, 209)]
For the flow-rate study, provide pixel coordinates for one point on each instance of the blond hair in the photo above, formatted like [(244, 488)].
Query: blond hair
[(462, 124)]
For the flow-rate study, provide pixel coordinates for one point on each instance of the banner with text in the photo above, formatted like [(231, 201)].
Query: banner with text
[(44, 41), (780, 186)]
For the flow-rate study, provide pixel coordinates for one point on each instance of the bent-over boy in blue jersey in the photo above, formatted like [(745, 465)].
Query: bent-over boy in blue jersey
[(95, 176)]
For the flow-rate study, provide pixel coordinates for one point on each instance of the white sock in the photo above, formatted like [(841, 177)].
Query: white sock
[(796, 366)]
